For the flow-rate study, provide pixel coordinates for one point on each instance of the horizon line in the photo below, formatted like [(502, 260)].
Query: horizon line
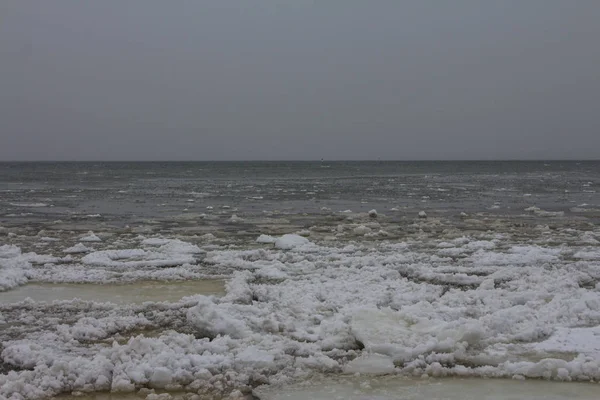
[(312, 160)]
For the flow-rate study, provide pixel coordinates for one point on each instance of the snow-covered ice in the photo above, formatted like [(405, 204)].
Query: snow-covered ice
[(426, 299)]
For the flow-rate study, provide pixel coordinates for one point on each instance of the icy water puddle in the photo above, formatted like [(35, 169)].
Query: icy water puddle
[(398, 388), (137, 292)]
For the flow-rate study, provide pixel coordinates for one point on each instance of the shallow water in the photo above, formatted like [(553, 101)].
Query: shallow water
[(130, 293), (100, 396), (398, 388)]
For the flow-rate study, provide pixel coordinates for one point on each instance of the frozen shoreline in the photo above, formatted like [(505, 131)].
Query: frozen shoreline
[(431, 300)]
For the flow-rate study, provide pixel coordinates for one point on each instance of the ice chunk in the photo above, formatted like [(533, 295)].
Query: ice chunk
[(266, 239), (374, 364), (379, 330), (211, 319), (176, 248), (517, 255), (78, 248), (9, 251), (387, 332), (161, 377), (155, 241), (422, 214), (14, 267), (542, 213), (208, 237), (90, 237), (290, 241), (255, 358), (373, 213), (361, 230), (49, 239), (132, 258), (271, 272), (234, 219), (587, 255), (12, 277), (573, 340), (33, 205)]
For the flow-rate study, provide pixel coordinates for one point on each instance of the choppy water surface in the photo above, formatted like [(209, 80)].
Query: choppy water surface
[(126, 192), (220, 279)]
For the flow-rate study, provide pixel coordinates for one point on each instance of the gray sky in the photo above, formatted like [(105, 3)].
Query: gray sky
[(224, 79)]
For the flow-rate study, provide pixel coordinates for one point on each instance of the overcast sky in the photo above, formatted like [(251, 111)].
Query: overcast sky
[(226, 80)]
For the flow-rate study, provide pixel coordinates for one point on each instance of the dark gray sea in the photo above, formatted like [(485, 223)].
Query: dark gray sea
[(125, 192)]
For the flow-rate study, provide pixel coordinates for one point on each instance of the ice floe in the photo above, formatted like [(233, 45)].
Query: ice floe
[(77, 249)]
